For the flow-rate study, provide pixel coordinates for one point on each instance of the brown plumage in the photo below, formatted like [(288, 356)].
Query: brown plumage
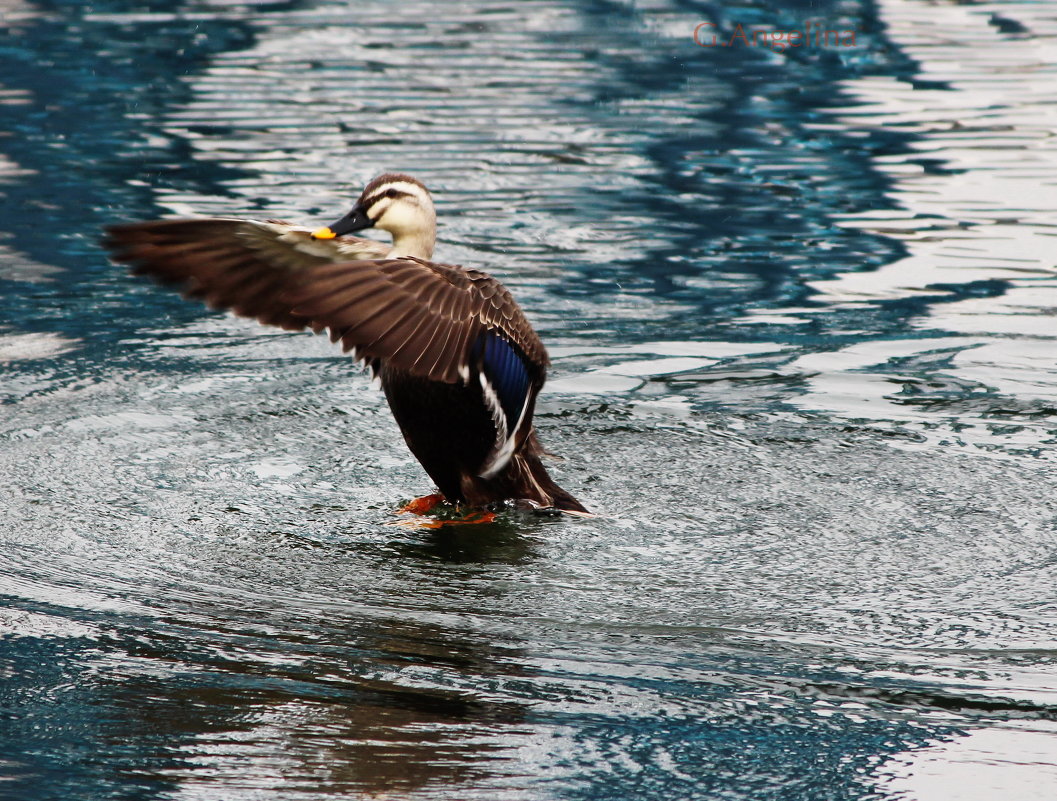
[(460, 364)]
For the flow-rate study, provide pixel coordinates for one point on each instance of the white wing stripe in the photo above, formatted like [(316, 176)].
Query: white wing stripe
[(504, 441)]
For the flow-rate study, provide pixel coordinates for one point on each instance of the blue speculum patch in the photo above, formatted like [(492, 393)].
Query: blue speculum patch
[(505, 370), (800, 310)]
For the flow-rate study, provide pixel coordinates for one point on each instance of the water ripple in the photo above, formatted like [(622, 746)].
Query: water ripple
[(798, 305)]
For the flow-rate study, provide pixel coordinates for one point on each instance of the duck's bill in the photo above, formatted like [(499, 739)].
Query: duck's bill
[(355, 220)]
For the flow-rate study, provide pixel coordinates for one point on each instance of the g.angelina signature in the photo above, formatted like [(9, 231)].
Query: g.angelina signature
[(813, 35)]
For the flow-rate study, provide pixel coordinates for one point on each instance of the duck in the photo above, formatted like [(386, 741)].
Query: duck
[(459, 363)]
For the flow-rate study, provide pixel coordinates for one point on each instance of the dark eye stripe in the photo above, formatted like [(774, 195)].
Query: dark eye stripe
[(390, 193)]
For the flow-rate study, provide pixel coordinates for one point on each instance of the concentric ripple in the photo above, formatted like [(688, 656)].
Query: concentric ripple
[(799, 309)]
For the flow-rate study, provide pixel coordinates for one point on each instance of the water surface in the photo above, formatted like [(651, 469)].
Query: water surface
[(800, 307)]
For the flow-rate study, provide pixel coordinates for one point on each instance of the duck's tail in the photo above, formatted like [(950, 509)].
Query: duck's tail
[(524, 477), (550, 493)]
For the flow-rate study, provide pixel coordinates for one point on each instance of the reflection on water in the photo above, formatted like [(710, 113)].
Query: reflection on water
[(800, 310), (1014, 759), (973, 200)]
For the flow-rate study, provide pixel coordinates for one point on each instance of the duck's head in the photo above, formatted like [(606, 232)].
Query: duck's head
[(395, 203)]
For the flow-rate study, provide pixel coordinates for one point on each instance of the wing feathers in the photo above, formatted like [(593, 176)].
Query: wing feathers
[(418, 316)]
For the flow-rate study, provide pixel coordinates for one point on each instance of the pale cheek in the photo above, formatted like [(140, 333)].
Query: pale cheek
[(396, 219)]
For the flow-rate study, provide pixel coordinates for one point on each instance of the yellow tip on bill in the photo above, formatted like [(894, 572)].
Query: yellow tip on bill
[(323, 233)]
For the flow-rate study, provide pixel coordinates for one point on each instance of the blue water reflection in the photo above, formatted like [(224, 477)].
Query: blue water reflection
[(800, 308)]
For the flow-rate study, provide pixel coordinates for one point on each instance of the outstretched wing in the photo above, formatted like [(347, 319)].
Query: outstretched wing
[(418, 316)]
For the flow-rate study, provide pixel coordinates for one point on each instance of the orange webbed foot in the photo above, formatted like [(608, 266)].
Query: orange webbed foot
[(421, 506), (471, 518)]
